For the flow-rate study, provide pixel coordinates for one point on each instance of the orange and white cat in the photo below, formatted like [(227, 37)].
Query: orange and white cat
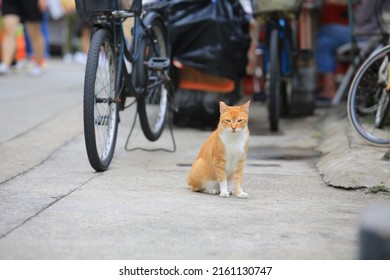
[(218, 169)]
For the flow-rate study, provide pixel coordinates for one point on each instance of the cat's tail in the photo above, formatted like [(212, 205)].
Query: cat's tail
[(194, 184), (194, 178)]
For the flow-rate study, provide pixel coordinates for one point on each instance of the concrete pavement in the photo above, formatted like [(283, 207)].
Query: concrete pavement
[(54, 206), (347, 161)]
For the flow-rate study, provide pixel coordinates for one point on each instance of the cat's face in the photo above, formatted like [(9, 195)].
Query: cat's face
[(234, 118)]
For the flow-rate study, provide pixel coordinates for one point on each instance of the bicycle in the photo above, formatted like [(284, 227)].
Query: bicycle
[(280, 54), (117, 69), (360, 48), (368, 102), (369, 99)]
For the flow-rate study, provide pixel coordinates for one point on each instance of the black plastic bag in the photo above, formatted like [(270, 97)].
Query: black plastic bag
[(210, 35)]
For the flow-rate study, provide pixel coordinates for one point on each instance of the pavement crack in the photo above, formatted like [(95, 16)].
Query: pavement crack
[(35, 146), (57, 199), (21, 173)]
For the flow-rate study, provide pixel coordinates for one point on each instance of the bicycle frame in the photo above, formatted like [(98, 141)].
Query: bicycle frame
[(287, 66), (125, 79)]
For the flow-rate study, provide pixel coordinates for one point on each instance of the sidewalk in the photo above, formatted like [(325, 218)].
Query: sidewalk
[(54, 206), (347, 161)]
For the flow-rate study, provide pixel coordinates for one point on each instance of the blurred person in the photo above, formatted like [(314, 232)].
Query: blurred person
[(29, 12), (46, 37), (84, 35), (20, 52), (332, 35), (73, 22), (24, 64)]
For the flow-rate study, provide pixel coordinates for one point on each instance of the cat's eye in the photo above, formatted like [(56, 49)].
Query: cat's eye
[(227, 120), (240, 120)]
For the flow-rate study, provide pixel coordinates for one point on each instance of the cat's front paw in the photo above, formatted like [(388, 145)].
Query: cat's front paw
[(242, 195), (224, 194)]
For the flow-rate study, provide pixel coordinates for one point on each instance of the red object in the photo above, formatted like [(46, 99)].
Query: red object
[(247, 85), (335, 13), (252, 85)]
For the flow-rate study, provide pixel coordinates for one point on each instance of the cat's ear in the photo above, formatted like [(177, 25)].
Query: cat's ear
[(222, 107), (245, 107)]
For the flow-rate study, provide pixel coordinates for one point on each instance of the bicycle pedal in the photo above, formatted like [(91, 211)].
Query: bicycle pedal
[(159, 63)]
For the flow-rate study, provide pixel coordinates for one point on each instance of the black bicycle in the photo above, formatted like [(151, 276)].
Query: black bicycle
[(120, 66), (281, 54)]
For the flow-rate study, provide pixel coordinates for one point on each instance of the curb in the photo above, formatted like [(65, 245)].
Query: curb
[(346, 161)]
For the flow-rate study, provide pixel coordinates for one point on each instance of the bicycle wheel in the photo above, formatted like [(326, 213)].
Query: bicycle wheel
[(153, 106), (383, 99), (100, 109), (273, 83), (368, 99)]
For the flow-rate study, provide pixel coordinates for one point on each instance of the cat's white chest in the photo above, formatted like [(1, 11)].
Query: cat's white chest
[(235, 149)]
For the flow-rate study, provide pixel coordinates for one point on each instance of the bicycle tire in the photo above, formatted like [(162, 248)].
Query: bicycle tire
[(153, 106), (366, 90), (274, 85), (101, 111)]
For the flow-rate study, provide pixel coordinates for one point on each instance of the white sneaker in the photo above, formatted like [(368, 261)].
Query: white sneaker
[(21, 65), (68, 58), (4, 69), (35, 70), (80, 58)]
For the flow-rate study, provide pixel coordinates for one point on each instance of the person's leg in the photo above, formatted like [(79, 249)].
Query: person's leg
[(68, 23), (37, 41), (32, 16), (329, 38), (46, 33), (28, 43), (85, 38), (11, 23), (84, 33), (11, 19), (328, 86)]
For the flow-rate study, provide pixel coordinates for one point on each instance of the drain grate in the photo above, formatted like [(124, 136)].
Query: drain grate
[(278, 153), (249, 164), (272, 153), (263, 165), (183, 164)]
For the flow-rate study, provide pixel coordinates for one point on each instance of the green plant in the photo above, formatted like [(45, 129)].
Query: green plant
[(386, 156), (378, 188)]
